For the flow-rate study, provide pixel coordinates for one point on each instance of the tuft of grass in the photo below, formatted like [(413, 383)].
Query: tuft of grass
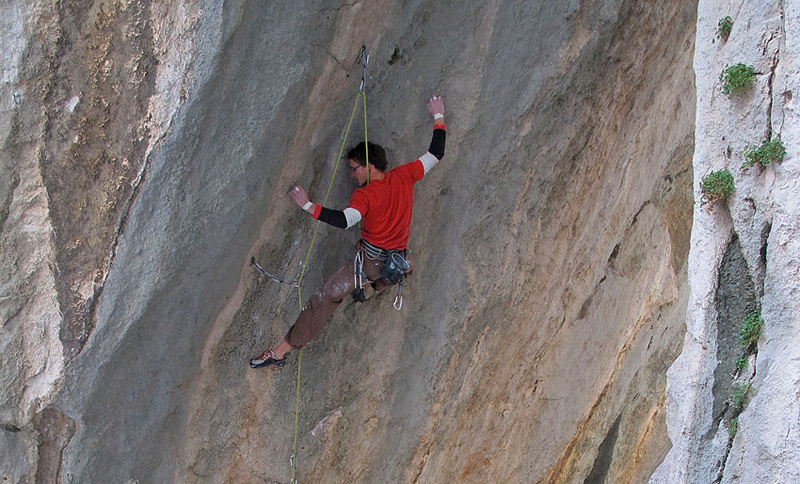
[(724, 28), (750, 330), (741, 363), (739, 397), (717, 185), (770, 151), (733, 426), (737, 78)]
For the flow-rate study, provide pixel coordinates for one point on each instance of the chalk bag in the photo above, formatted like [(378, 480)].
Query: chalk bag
[(394, 268)]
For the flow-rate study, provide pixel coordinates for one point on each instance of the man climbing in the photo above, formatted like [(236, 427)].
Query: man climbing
[(383, 203)]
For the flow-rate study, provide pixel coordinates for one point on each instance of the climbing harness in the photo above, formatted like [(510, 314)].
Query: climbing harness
[(395, 264), (275, 278), (395, 267)]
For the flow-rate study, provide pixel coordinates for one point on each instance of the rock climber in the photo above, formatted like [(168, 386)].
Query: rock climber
[(383, 203)]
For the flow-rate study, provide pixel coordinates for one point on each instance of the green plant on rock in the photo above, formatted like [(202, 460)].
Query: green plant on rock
[(741, 363), (770, 151), (717, 185), (737, 78), (739, 397), (724, 28), (750, 331), (733, 426)]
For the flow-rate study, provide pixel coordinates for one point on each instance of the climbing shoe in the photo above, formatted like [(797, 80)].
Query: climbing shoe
[(268, 358)]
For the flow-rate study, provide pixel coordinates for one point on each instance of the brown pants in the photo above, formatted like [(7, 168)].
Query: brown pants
[(319, 308)]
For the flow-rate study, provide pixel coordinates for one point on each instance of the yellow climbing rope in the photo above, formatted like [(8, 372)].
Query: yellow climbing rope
[(361, 95), (330, 186)]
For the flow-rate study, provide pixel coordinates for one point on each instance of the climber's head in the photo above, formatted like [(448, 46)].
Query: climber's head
[(377, 155), (357, 157)]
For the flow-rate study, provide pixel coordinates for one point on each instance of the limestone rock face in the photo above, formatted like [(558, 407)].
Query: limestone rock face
[(148, 147), (743, 260)]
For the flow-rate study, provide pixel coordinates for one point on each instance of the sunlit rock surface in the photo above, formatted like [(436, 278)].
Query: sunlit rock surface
[(147, 151), (743, 259)]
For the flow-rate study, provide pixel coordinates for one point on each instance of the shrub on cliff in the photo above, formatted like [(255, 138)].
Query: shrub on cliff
[(750, 331), (724, 28), (737, 78), (733, 426), (769, 151), (741, 363), (717, 185), (741, 391)]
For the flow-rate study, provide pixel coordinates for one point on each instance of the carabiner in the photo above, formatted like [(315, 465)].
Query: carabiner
[(358, 270), (398, 300), (363, 58)]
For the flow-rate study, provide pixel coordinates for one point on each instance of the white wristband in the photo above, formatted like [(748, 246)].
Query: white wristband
[(308, 205), (438, 116)]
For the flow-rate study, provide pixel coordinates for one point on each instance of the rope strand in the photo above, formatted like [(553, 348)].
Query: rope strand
[(363, 95)]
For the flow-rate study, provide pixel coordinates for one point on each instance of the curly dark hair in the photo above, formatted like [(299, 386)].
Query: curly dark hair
[(377, 155)]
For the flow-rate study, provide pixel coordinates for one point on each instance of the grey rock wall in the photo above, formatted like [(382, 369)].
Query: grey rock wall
[(551, 243)]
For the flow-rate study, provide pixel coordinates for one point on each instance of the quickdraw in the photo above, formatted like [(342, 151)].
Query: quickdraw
[(358, 277), (270, 275), (363, 58)]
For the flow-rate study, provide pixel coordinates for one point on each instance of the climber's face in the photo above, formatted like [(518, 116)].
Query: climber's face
[(358, 171)]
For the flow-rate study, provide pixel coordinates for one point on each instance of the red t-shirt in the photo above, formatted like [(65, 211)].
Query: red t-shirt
[(386, 205)]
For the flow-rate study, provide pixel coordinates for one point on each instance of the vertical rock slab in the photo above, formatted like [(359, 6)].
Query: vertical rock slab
[(762, 214), (550, 244), (79, 115), (31, 352), (208, 183)]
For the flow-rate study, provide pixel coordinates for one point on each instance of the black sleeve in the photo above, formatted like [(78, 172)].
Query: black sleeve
[(333, 217), (437, 143)]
